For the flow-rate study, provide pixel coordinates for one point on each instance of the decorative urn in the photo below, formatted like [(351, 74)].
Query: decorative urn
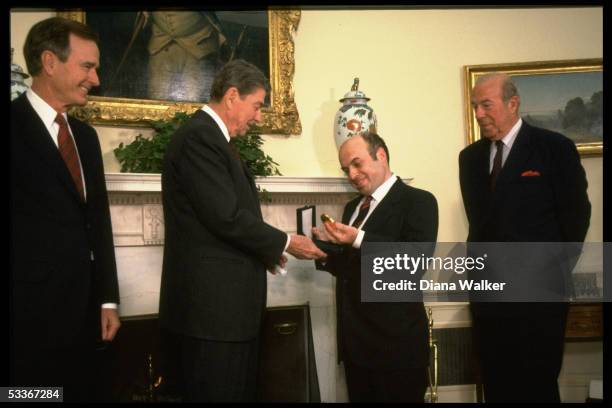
[(354, 116), (18, 86)]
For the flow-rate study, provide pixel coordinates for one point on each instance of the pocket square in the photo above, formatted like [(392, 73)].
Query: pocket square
[(530, 173)]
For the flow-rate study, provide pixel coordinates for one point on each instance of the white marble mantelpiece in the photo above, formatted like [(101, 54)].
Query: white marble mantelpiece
[(141, 182), (136, 207)]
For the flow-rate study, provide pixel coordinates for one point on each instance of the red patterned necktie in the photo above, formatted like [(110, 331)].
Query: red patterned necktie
[(363, 211), (68, 151)]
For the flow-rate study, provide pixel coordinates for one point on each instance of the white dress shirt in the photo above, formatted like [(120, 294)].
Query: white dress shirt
[(377, 197)]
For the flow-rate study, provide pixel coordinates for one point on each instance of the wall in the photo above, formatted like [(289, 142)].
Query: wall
[(410, 63)]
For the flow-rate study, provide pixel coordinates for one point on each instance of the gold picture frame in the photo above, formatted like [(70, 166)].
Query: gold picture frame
[(281, 117), (570, 79)]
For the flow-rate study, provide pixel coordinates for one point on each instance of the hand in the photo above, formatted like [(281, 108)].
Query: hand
[(303, 248), (282, 261), (110, 324), (279, 267), (319, 234), (341, 233)]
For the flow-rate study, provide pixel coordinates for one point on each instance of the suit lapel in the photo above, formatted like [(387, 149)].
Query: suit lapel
[(248, 175), (251, 181), (517, 157), (481, 168), (350, 209), (37, 137), (384, 208), (82, 148), (206, 118)]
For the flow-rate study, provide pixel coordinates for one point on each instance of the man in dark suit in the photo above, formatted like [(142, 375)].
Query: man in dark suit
[(384, 346), (217, 246), (520, 183), (64, 278)]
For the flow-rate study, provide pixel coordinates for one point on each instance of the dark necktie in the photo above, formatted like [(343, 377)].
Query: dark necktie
[(69, 153), (234, 151), (363, 211), (497, 163)]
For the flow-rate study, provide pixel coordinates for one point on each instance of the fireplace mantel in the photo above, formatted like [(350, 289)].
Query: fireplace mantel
[(140, 182)]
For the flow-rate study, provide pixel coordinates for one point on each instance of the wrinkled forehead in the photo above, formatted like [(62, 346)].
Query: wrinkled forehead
[(486, 90)]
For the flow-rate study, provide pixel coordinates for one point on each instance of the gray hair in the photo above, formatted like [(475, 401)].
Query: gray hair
[(508, 87), (240, 74)]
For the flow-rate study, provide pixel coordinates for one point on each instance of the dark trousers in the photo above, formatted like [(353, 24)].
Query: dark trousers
[(71, 368), (216, 371), (521, 356), (379, 385)]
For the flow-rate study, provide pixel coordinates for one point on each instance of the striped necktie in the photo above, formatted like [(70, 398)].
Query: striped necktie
[(363, 211)]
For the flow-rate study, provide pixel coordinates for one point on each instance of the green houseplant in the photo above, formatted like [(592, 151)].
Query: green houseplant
[(145, 155)]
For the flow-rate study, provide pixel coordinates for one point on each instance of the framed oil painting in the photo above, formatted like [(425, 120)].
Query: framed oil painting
[(155, 63), (563, 96)]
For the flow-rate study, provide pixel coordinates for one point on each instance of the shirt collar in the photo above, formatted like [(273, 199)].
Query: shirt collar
[(43, 109), (384, 188), (509, 139), (217, 120)]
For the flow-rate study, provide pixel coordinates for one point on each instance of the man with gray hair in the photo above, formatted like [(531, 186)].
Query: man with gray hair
[(217, 246), (520, 183)]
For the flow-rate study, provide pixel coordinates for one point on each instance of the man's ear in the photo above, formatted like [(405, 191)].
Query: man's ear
[(231, 95), (514, 103), (49, 61), (380, 154)]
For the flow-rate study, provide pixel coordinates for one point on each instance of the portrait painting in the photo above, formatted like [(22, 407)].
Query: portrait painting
[(154, 63), (562, 96), (174, 55)]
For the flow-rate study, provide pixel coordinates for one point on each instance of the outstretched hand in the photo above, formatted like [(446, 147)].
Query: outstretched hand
[(302, 247)]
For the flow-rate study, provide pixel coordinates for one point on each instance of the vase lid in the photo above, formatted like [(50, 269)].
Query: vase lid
[(355, 93)]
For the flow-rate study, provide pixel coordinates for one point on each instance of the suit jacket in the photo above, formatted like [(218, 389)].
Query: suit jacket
[(56, 287), (217, 246), (383, 335), (549, 206)]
